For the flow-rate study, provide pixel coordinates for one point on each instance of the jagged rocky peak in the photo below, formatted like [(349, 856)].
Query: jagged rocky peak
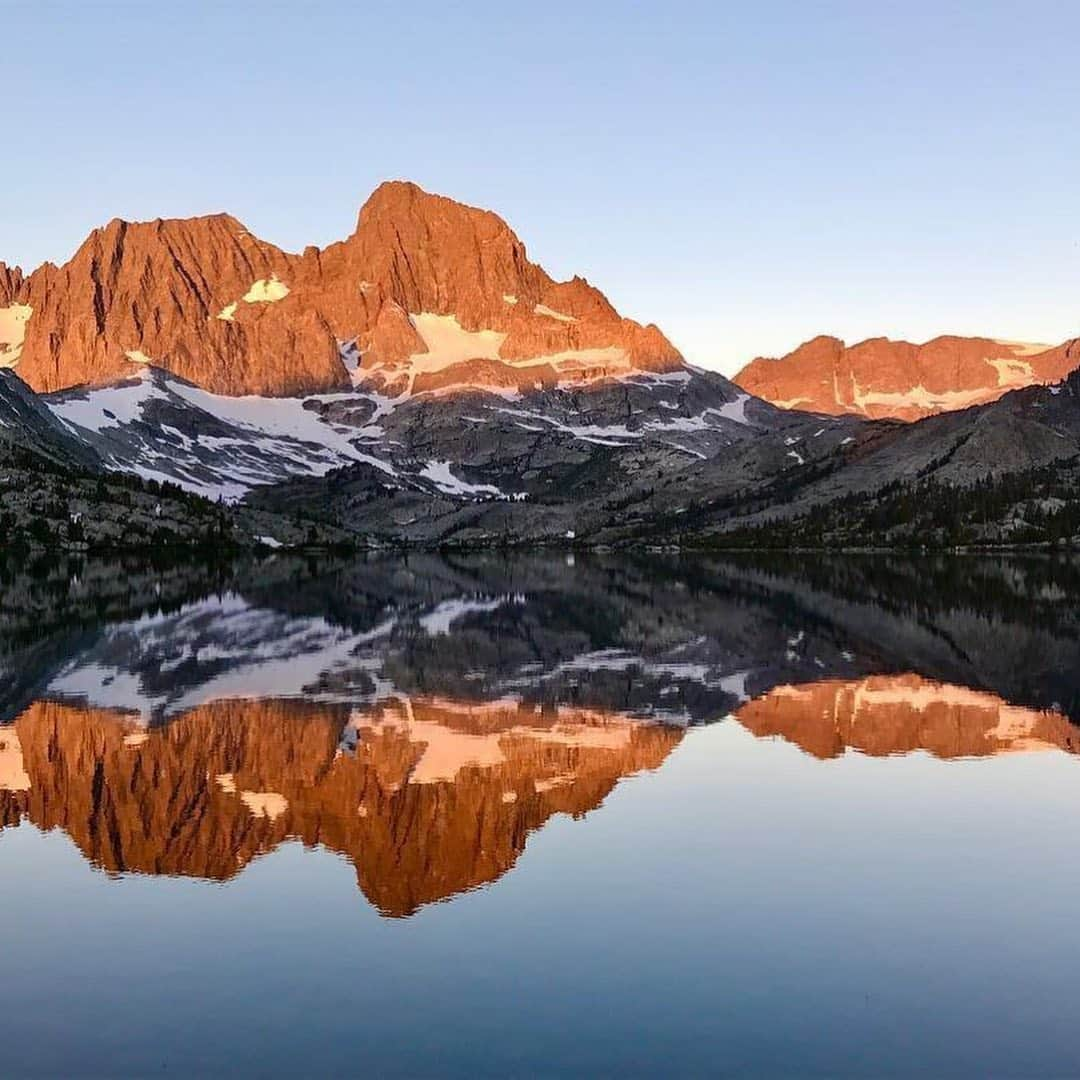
[(479, 311), (883, 378), (11, 281), (201, 297), (430, 253), (426, 293), (436, 294)]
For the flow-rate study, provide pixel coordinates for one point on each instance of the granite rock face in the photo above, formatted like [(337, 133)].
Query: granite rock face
[(880, 378), (28, 425), (203, 298), (425, 286), (11, 280)]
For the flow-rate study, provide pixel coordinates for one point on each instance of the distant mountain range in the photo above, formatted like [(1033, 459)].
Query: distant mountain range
[(882, 378), (423, 382)]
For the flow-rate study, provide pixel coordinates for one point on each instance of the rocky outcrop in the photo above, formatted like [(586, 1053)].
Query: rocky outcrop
[(28, 425), (882, 378), (424, 285), (203, 298), (11, 280)]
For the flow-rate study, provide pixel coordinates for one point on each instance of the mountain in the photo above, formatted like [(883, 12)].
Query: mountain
[(420, 381), (816, 481), (682, 457), (428, 454), (160, 292), (60, 487), (423, 383), (27, 425), (1003, 473), (883, 378), (426, 293)]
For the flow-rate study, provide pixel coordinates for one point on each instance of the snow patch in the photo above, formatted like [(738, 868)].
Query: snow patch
[(439, 473), (735, 410), (1012, 372), (918, 397), (543, 309), (109, 406), (349, 351), (448, 342), (13, 322), (273, 437), (1024, 348), (13, 774), (266, 291)]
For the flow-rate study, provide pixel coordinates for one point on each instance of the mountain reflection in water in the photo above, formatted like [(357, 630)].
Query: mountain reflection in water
[(427, 799), (423, 718), (883, 715)]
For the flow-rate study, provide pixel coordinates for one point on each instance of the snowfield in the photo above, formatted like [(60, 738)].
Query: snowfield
[(163, 428)]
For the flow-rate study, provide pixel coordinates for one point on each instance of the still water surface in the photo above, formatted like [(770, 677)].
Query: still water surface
[(540, 816)]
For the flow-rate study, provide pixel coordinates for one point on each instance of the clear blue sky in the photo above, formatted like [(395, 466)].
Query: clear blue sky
[(745, 175)]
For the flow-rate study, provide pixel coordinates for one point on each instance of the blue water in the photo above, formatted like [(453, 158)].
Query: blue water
[(745, 908)]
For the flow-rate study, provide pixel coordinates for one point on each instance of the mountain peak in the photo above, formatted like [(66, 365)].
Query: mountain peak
[(393, 197), (11, 281), (425, 285)]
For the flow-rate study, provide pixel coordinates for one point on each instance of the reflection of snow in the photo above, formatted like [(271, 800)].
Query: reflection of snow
[(448, 612), (267, 804), (447, 749), (13, 774), (211, 650)]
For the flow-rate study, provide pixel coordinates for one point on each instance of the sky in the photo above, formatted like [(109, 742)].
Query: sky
[(744, 175)]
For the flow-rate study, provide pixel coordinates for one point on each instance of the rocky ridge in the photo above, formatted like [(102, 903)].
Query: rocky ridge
[(425, 294), (880, 378)]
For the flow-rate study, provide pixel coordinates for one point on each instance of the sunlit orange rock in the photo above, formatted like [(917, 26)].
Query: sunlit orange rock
[(422, 285), (881, 378), (427, 799), (11, 280), (898, 714)]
